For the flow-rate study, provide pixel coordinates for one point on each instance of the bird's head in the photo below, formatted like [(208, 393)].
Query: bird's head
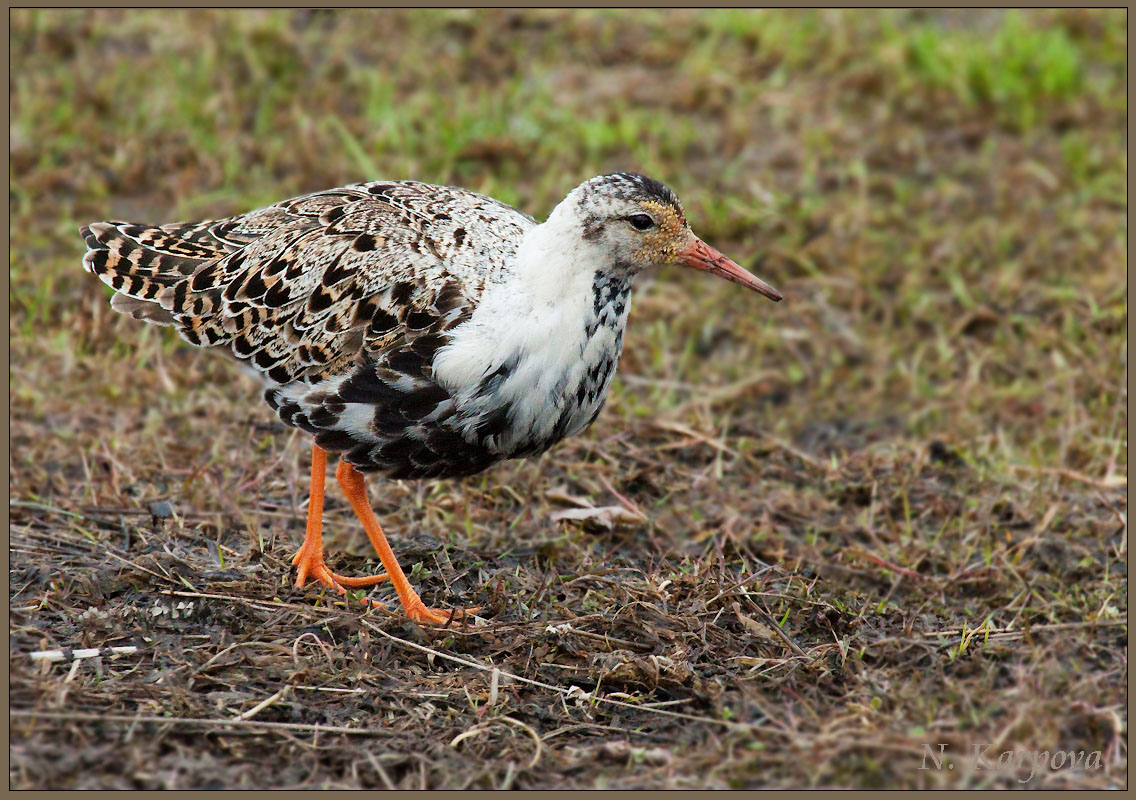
[(640, 223)]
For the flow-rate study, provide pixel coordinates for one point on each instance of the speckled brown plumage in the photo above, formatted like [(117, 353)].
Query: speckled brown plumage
[(363, 281), (299, 289)]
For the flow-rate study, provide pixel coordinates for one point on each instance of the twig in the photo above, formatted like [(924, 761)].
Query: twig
[(378, 768), (71, 675), (634, 509), (535, 737), (494, 683), (781, 444), (1011, 631), (319, 643), (94, 652), (736, 726), (910, 573), (710, 396), (568, 627), (475, 730), (284, 452), (223, 723), (41, 507), (331, 689), (468, 734), (771, 624), (1107, 482), (252, 712), (138, 566), (686, 430)]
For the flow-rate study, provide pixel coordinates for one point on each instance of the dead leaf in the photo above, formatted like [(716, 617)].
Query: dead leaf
[(758, 629), (606, 517), (560, 495)]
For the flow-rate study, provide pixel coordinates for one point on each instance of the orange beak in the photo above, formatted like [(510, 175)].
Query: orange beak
[(702, 256)]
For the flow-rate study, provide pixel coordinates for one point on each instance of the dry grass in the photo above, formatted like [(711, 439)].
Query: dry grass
[(889, 512)]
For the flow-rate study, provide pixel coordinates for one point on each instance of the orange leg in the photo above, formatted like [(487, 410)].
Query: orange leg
[(309, 560), (354, 487)]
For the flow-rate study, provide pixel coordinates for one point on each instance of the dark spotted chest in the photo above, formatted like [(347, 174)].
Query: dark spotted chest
[(611, 293), (610, 297)]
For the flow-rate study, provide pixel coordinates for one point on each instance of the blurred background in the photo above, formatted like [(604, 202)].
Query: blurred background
[(935, 417)]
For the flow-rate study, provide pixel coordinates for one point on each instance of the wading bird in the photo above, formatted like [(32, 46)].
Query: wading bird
[(416, 331)]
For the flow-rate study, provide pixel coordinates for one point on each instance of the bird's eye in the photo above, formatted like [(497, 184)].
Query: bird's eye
[(641, 222)]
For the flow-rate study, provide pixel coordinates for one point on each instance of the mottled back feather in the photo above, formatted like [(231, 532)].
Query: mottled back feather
[(309, 287)]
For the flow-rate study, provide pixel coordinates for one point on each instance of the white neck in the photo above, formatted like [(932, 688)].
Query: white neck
[(555, 263)]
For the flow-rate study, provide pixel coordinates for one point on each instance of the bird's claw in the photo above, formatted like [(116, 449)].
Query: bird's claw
[(309, 563), (419, 612)]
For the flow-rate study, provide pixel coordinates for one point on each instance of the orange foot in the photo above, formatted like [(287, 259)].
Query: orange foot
[(309, 563), (419, 612)]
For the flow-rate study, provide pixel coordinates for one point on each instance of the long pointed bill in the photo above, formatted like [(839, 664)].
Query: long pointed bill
[(703, 257)]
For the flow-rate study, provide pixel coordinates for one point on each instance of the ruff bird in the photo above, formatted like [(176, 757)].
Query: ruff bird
[(415, 331)]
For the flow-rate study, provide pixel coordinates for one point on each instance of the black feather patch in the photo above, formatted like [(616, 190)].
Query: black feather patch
[(335, 273), (425, 347), (319, 301), (336, 441), (265, 360), (491, 382), (421, 402), (495, 423), (401, 293), (99, 260), (278, 295), (449, 298), (254, 287), (405, 362), (280, 374), (242, 347), (365, 386), (364, 243), (420, 320), (383, 322)]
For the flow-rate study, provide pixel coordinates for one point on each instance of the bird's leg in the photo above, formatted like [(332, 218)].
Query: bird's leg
[(354, 486), (309, 560)]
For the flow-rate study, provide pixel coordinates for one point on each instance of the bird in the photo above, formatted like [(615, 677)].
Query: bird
[(415, 331)]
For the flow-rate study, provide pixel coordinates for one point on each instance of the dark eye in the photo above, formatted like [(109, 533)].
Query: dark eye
[(641, 222)]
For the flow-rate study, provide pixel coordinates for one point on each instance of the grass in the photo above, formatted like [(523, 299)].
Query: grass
[(888, 512)]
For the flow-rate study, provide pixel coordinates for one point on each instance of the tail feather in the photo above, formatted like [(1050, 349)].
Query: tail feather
[(139, 261), (141, 309)]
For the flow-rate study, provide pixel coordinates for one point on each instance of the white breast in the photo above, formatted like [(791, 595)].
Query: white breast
[(537, 350)]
